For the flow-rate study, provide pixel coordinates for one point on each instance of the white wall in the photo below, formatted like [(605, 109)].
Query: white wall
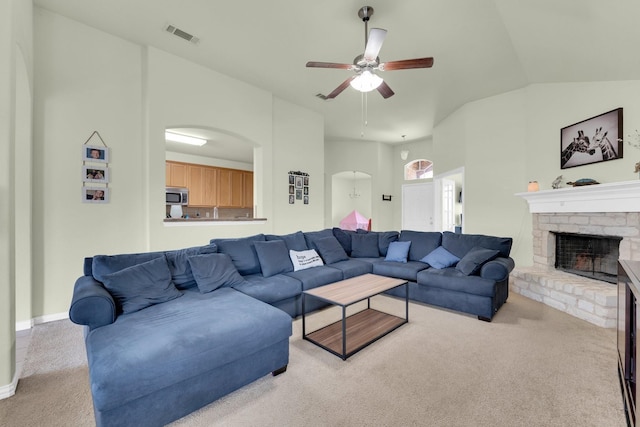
[(372, 158), (507, 140)]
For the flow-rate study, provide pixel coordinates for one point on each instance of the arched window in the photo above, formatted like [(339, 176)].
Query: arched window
[(418, 169)]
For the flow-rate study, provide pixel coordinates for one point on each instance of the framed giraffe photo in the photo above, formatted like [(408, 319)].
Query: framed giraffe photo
[(592, 140)]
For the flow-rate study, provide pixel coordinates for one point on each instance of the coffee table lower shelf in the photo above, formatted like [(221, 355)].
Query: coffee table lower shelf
[(360, 330)]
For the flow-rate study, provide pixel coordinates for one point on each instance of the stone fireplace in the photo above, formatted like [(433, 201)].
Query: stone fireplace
[(601, 211)]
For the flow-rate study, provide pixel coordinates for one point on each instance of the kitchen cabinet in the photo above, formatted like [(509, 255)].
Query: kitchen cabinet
[(231, 188), (176, 174), (247, 200), (211, 186)]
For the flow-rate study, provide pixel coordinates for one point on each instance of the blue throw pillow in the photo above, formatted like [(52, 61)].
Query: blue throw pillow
[(398, 251), (294, 241), (242, 252), (213, 271), (331, 250), (472, 262), (179, 266), (364, 245), (440, 258), (274, 257), (141, 285)]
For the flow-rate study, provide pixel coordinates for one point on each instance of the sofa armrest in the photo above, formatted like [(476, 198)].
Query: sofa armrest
[(92, 304), (497, 269)]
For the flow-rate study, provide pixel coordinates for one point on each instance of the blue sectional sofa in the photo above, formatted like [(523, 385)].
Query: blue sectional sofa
[(169, 332)]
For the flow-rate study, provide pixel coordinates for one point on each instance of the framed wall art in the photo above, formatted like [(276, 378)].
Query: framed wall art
[(94, 153), (593, 140), (298, 187), (95, 174), (95, 194)]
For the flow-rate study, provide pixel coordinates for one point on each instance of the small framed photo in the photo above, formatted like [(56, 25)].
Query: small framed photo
[(292, 199), (95, 195), (292, 189), (299, 181), (306, 191), (298, 194), (95, 174), (306, 200), (306, 180), (291, 179), (94, 153)]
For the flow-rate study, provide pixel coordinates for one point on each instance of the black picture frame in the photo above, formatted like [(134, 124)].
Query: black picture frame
[(594, 140)]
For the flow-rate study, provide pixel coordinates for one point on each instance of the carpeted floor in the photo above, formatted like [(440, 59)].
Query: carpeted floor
[(532, 366)]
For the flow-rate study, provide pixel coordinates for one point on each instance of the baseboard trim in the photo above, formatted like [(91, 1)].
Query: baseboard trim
[(9, 389), (28, 324)]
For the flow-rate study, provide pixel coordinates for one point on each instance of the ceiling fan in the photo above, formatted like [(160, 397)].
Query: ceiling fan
[(365, 79)]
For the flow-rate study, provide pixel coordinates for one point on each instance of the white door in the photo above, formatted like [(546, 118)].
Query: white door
[(417, 207), (444, 204)]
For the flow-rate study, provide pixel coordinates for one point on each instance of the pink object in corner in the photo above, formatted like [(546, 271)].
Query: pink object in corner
[(354, 221)]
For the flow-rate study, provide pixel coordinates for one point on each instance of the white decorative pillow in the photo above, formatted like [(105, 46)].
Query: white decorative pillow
[(305, 259)]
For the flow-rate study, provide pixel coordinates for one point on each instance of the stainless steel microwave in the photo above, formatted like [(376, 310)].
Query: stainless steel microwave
[(177, 196)]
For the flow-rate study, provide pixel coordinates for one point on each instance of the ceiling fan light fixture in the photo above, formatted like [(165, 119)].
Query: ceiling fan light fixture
[(366, 81)]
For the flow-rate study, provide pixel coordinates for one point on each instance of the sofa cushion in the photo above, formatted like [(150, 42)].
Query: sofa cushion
[(274, 257), (141, 285), (460, 244), (312, 236), (318, 276), (398, 251), (440, 258), (422, 242), (400, 270), (384, 239), (165, 344), (181, 269), (353, 267), (103, 265), (270, 289), (472, 262), (213, 271), (330, 250), (344, 237), (364, 245), (242, 253), (294, 241), (302, 260)]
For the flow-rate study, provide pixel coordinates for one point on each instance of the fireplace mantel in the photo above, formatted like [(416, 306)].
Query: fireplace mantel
[(611, 197)]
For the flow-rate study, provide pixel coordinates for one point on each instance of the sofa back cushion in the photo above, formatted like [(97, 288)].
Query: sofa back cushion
[(384, 239), (141, 285), (460, 244), (242, 252), (422, 242), (294, 241), (274, 257), (312, 236), (344, 238), (364, 245), (180, 268), (103, 265), (213, 271), (330, 250), (473, 261)]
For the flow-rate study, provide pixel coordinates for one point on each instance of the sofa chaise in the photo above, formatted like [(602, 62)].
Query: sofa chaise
[(166, 333)]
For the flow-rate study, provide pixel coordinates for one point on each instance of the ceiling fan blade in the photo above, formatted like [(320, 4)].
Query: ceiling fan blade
[(314, 64), (385, 90), (337, 91), (374, 43), (407, 64)]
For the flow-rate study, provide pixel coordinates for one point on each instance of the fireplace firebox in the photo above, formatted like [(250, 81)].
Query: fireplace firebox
[(588, 255)]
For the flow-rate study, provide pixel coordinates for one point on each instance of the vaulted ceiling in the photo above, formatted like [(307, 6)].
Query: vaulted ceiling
[(481, 48)]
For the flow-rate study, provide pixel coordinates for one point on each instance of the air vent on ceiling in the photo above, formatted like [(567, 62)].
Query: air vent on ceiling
[(182, 34)]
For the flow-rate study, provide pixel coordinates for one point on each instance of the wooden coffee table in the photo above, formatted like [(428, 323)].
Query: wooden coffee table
[(353, 333)]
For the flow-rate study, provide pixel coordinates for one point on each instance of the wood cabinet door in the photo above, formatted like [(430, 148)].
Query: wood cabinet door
[(195, 185), (177, 174), (247, 193), (230, 193), (210, 184)]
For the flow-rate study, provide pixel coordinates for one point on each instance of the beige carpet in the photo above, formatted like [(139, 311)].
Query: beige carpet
[(532, 366)]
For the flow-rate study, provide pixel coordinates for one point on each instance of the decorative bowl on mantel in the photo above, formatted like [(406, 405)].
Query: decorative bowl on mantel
[(583, 181)]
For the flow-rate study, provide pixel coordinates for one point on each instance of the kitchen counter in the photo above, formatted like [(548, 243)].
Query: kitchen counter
[(212, 221)]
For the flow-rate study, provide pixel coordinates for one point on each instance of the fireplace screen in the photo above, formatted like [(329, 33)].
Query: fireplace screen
[(586, 255)]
